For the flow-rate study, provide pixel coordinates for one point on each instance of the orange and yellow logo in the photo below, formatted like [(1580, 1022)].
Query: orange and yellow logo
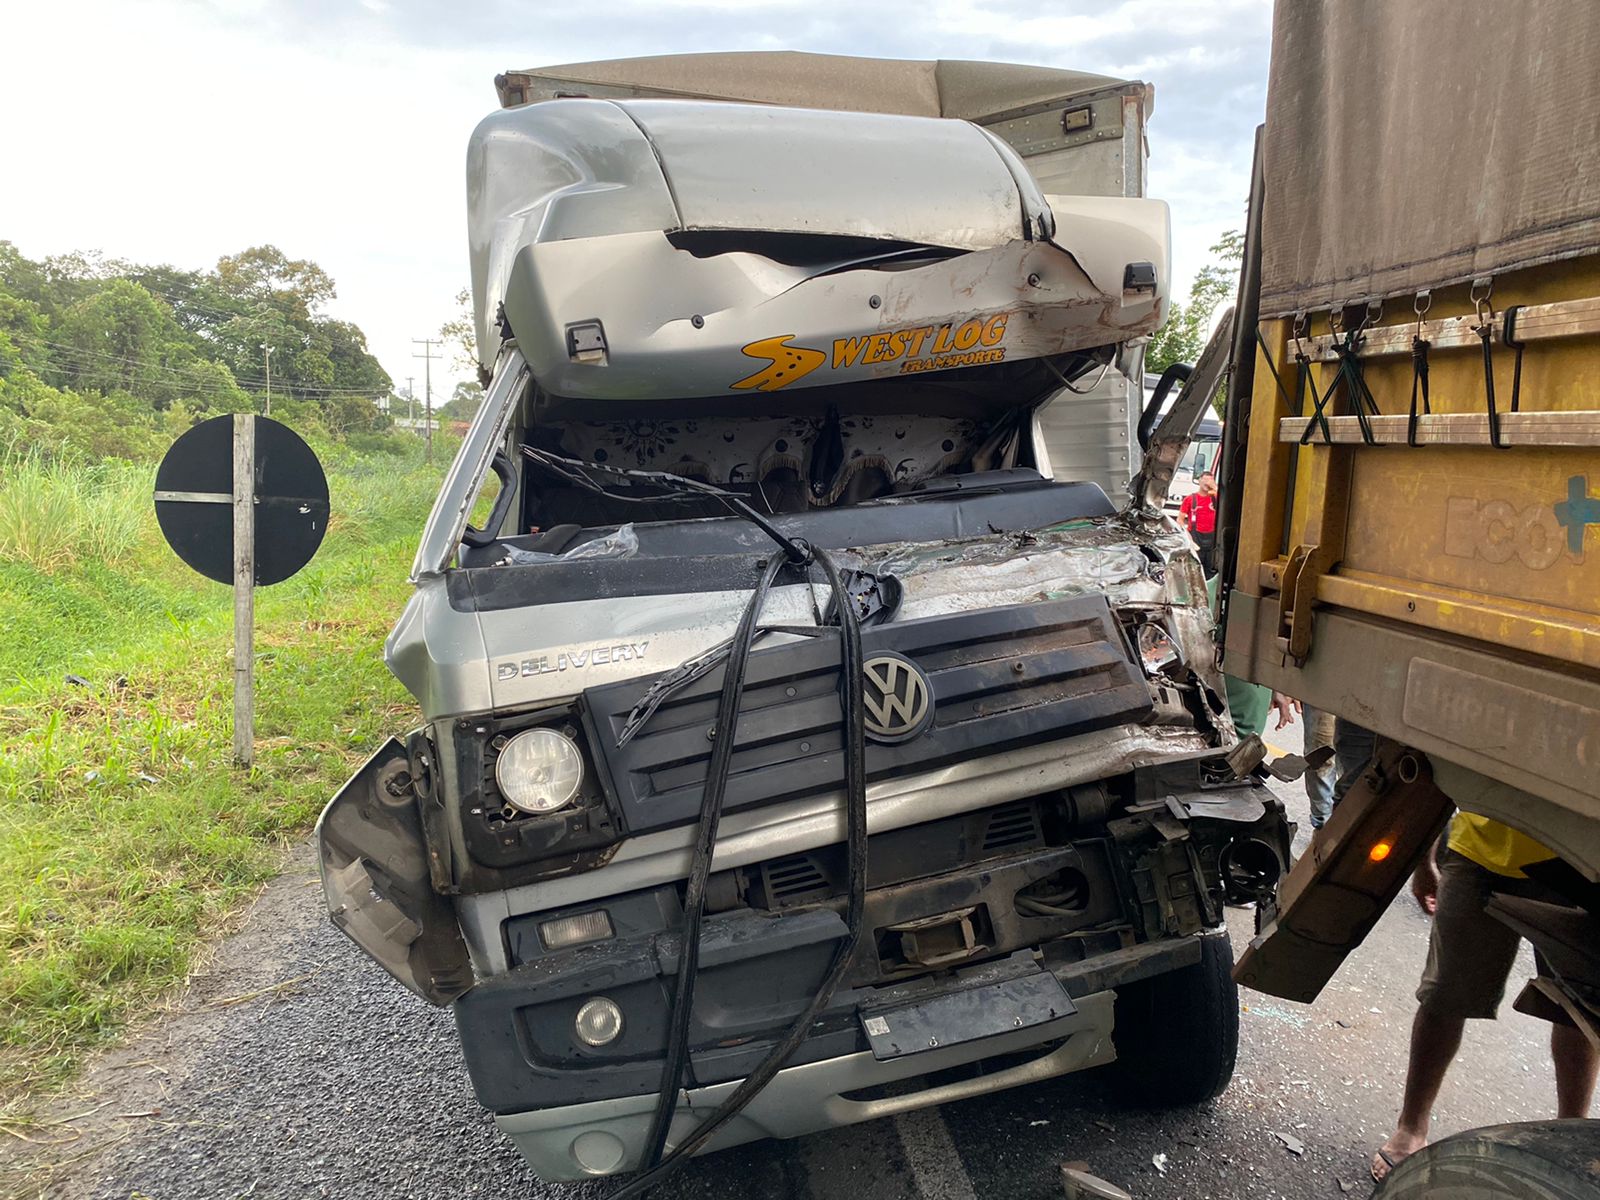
[(971, 343), (785, 363)]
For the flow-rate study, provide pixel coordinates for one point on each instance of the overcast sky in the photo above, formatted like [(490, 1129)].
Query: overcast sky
[(180, 130)]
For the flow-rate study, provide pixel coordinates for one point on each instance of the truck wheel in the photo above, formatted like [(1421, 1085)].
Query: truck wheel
[(1177, 1035), (1549, 1160)]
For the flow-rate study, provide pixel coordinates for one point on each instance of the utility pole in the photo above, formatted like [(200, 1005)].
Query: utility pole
[(411, 398), (268, 350), (427, 357)]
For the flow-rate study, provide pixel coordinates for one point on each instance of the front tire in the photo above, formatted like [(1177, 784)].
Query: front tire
[(1177, 1035)]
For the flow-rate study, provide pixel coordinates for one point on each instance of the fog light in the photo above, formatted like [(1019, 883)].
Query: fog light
[(599, 1022), (575, 930)]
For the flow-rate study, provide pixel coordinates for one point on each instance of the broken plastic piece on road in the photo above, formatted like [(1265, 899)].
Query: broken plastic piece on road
[(1078, 1184)]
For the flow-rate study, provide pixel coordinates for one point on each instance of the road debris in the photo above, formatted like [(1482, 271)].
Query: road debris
[(1079, 1184), (1159, 1162), (271, 990), (1290, 1143)]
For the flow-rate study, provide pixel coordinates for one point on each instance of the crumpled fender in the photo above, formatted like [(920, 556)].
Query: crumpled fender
[(375, 877)]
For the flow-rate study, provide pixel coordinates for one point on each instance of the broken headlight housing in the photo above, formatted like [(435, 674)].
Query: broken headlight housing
[(1158, 652)]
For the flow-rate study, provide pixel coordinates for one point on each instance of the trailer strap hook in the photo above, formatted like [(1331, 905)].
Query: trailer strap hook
[(1482, 297), (1508, 336)]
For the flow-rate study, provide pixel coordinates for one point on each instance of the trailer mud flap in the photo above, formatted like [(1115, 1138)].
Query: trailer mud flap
[(375, 876), (1349, 875)]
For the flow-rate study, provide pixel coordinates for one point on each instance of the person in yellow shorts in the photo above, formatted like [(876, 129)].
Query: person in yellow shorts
[(1470, 955)]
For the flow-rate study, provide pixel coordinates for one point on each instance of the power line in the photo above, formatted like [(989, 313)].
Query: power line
[(79, 352)]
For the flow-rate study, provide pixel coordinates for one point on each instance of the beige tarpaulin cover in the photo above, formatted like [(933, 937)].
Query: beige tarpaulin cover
[(1417, 143), (945, 88)]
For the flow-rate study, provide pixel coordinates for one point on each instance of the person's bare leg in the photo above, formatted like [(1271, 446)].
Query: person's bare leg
[(1577, 1063), (1434, 1042)]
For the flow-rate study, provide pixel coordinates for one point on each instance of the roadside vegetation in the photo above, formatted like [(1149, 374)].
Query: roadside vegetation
[(127, 838)]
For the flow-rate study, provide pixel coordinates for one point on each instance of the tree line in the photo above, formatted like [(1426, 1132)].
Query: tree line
[(106, 357)]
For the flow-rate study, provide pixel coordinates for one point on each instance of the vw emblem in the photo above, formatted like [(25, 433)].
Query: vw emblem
[(899, 699)]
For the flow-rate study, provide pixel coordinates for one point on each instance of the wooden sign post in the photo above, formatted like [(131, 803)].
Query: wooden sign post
[(243, 500), (244, 588)]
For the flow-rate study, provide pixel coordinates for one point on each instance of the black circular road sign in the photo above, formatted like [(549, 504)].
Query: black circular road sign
[(194, 500)]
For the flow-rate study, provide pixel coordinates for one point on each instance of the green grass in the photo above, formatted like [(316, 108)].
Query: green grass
[(126, 837), (57, 513)]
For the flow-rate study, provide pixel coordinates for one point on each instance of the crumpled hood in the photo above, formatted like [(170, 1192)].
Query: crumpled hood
[(660, 249)]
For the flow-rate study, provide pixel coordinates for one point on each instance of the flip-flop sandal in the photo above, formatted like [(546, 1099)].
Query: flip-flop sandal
[(1393, 1163)]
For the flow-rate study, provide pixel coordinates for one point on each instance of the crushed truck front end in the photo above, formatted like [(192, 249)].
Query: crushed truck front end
[(1052, 824)]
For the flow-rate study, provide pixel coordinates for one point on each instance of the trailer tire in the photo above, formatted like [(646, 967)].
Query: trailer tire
[(1531, 1160), (1177, 1035)]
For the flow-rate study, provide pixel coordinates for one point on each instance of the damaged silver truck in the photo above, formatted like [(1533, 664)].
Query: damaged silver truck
[(809, 735)]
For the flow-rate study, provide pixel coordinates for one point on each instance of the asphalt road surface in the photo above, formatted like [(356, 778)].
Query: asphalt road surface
[(295, 1068)]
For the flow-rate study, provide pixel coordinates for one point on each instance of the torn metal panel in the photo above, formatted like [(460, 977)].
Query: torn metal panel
[(376, 880), (442, 534), (1134, 561), (1171, 436), (737, 323), (745, 204)]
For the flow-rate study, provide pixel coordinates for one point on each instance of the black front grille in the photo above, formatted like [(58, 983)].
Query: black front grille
[(1015, 824), (1000, 677)]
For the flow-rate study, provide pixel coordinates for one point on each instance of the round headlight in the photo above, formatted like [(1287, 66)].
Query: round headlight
[(599, 1022), (539, 771)]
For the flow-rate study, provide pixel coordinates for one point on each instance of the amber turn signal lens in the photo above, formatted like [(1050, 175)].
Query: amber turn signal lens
[(1379, 851)]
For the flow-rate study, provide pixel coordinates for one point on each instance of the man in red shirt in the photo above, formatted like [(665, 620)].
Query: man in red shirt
[(1198, 512)]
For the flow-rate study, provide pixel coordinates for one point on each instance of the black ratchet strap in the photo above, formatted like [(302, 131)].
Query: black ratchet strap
[(1302, 382), (1485, 332), (1508, 337), (1419, 383), (1362, 402), (1277, 379)]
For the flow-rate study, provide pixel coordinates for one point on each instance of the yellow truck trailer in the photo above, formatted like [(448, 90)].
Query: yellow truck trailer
[(1411, 460)]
